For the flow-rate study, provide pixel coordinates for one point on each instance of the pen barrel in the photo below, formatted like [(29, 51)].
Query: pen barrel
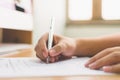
[(51, 31), (50, 37), (50, 40)]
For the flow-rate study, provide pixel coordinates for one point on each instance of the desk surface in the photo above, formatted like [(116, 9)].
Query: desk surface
[(28, 53), (117, 77)]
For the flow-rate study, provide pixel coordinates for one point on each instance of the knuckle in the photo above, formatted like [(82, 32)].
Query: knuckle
[(115, 55), (40, 41), (42, 49), (108, 50), (58, 48), (93, 59)]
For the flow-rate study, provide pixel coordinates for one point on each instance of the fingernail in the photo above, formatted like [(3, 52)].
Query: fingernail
[(107, 68), (92, 66), (87, 64), (52, 52)]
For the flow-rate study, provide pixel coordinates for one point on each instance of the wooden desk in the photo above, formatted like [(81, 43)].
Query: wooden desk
[(31, 53), (117, 77), (21, 53)]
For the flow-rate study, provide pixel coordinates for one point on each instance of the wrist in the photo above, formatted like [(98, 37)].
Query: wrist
[(85, 46), (79, 47)]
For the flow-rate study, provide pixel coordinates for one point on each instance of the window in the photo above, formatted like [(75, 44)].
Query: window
[(80, 9), (93, 11), (110, 9)]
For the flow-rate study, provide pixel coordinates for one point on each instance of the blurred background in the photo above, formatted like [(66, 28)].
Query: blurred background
[(25, 21), (77, 18)]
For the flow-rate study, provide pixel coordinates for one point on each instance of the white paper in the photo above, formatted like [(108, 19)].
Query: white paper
[(33, 67)]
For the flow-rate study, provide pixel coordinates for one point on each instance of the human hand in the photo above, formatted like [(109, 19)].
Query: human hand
[(63, 48), (108, 60)]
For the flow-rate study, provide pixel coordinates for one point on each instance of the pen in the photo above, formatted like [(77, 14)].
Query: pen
[(50, 37)]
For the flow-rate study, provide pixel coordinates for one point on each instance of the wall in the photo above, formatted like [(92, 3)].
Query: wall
[(90, 30), (43, 10)]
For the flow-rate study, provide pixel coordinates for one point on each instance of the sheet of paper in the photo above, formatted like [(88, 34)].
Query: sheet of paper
[(27, 67)]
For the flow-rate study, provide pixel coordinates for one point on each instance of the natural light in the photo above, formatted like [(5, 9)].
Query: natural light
[(80, 9), (111, 9)]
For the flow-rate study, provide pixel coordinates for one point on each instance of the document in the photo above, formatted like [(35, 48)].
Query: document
[(33, 67)]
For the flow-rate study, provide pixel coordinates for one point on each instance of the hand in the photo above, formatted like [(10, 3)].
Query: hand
[(63, 48), (108, 60)]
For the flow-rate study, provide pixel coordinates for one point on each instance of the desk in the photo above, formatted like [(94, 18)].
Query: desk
[(117, 77), (31, 53), (21, 53)]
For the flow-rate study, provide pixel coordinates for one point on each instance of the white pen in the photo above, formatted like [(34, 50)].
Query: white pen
[(50, 37)]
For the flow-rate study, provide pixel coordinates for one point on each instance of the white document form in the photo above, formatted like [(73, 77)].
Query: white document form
[(33, 67)]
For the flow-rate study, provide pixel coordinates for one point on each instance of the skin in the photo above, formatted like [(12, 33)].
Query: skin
[(103, 50)]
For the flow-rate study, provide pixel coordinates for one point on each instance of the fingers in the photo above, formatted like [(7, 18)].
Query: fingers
[(41, 48), (57, 49), (113, 68), (65, 47), (41, 52), (52, 59), (62, 46), (105, 61), (59, 58), (98, 56), (106, 57)]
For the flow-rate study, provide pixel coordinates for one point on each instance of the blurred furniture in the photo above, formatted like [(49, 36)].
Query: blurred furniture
[(16, 29)]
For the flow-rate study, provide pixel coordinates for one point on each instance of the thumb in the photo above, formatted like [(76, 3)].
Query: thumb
[(57, 50)]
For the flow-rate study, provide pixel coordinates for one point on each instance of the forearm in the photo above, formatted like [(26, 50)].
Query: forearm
[(91, 46)]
